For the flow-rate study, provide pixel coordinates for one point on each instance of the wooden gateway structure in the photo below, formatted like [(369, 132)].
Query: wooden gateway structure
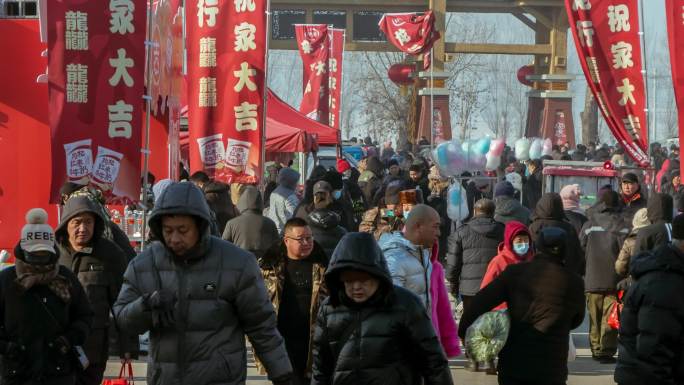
[(550, 102)]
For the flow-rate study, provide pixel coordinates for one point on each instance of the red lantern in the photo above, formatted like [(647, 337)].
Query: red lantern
[(400, 73), (522, 75)]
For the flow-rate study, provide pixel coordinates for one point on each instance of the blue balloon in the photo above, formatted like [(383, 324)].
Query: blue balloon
[(455, 197), (481, 147)]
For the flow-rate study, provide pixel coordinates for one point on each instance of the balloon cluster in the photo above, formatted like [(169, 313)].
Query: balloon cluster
[(454, 157), (532, 148)]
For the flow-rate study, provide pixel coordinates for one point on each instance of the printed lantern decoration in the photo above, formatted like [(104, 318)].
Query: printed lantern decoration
[(400, 73), (523, 72)]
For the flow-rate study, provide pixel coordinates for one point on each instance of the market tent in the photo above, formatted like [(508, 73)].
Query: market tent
[(282, 113)]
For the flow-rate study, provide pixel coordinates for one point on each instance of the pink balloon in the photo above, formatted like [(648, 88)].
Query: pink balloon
[(496, 147)]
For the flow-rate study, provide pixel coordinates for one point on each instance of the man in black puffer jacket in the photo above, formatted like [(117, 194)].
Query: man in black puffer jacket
[(651, 342), (544, 302), (370, 331), (471, 248), (660, 231), (326, 229), (602, 238)]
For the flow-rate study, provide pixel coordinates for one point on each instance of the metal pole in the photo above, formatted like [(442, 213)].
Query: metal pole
[(262, 158), (644, 69), (432, 98), (148, 109)]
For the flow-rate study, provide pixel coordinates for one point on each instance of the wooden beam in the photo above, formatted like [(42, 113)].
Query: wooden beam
[(452, 6), (502, 49), (525, 20), (539, 16)]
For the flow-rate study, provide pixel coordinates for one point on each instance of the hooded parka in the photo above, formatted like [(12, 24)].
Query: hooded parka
[(326, 229), (651, 339), (284, 199), (660, 231), (221, 297), (100, 269), (387, 339), (251, 231), (549, 212)]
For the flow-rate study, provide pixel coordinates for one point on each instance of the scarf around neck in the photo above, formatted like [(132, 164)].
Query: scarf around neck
[(29, 275)]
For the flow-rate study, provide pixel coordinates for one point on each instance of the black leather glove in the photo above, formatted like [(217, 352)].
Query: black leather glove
[(162, 303), (161, 300), (14, 351), (61, 344)]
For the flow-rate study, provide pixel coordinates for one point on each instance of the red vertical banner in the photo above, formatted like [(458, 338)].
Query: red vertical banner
[(674, 11), (313, 41), (226, 45), (335, 78), (96, 59), (606, 34)]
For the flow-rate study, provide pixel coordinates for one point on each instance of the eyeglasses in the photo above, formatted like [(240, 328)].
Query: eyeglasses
[(302, 240)]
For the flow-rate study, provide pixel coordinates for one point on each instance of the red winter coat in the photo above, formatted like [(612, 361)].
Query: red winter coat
[(506, 255)]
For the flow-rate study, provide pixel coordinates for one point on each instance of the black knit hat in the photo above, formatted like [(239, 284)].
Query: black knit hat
[(678, 227)]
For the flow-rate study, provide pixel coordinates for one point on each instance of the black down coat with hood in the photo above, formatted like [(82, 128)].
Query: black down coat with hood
[(251, 230), (471, 247), (660, 231), (326, 229), (221, 298), (388, 339), (549, 212), (651, 340)]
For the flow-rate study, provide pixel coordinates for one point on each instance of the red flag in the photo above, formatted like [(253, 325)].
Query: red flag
[(674, 10), (96, 61), (226, 43), (335, 80), (410, 32), (313, 41), (606, 36)]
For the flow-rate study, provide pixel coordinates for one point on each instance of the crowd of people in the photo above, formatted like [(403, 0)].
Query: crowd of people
[(350, 278)]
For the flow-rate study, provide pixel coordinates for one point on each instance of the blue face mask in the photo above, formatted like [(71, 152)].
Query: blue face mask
[(521, 248), (337, 194)]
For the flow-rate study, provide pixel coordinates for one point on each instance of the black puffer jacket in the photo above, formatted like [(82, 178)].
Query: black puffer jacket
[(388, 339), (602, 238), (100, 269), (471, 247), (545, 301), (326, 229), (660, 231), (576, 219), (532, 189), (651, 341), (218, 198), (549, 213), (251, 231), (24, 321)]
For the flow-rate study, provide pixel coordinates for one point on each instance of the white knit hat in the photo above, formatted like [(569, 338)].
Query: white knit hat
[(37, 235)]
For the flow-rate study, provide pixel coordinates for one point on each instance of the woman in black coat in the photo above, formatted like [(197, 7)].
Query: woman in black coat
[(369, 331), (44, 313)]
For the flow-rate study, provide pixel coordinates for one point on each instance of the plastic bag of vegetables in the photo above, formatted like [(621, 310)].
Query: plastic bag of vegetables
[(487, 335)]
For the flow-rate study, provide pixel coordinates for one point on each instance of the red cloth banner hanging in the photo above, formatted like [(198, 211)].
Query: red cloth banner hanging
[(313, 41), (335, 79), (606, 34), (411, 33), (674, 11), (96, 61), (226, 45)]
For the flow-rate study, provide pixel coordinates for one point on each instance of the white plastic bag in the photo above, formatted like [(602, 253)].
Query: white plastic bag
[(457, 203), (572, 351)]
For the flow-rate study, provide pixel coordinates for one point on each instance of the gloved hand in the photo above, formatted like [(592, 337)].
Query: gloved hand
[(161, 300), (162, 303), (14, 351), (62, 345)]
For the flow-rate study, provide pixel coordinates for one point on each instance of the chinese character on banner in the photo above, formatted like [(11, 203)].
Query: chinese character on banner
[(411, 33), (95, 87), (314, 49), (335, 75), (225, 96), (606, 35)]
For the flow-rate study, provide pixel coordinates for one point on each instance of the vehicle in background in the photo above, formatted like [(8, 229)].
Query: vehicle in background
[(327, 157)]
